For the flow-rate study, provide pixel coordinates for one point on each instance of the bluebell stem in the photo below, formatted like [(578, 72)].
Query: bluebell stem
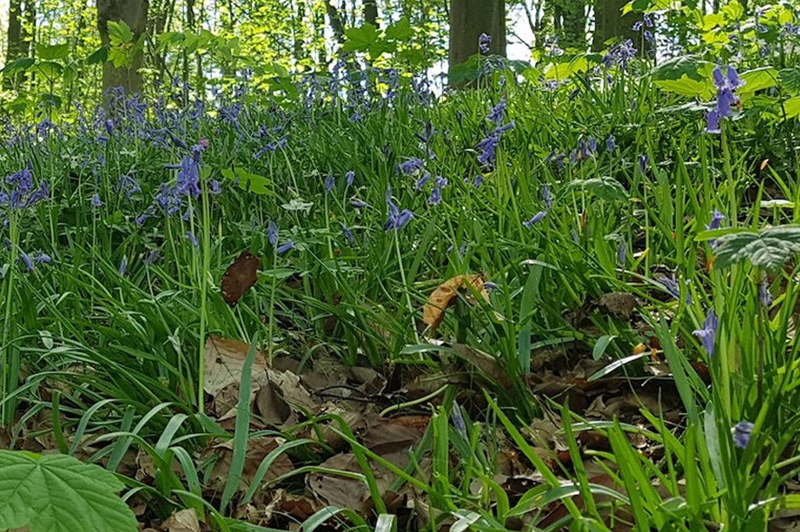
[(708, 334)]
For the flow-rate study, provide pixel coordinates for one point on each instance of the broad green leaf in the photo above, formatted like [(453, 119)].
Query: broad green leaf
[(59, 493), (119, 33), (23, 63), (758, 79), (98, 56), (50, 69), (400, 30), (768, 249), (562, 70), (792, 107), (51, 53), (247, 181), (361, 39), (606, 188), (790, 80)]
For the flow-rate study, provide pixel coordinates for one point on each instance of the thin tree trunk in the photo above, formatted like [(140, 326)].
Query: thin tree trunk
[(471, 18), (371, 12), (610, 24), (14, 38), (335, 21), (134, 14)]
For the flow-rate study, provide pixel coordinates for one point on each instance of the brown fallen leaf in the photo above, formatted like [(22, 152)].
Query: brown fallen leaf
[(257, 450), (225, 361), (182, 521), (239, 277), (446, 293)]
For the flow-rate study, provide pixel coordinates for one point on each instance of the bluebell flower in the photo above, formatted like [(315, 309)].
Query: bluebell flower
[(411, 166), (644, 162), (26, 260), (716, 221), (726, 84), (611, 144), (96, 202), (283, 248), (214, 187), (436, 197), (43, 258), (483, 43), (350, 177), (272, 233), (538, 217), (487, 147), (708, 334), (192, 239), (422, 181), (123, 266), (40, 194), (674, 289), (188, 183), (330, 182), (497, 114), (357, 203), (397, 219), (153, 257), (169, 200), (441, 182), (148, 213), (764, 295), (622, 252), (713, 122), (478, 181), (128, 185), (458, 420), (741, 433), (348, 234), (548, 199)]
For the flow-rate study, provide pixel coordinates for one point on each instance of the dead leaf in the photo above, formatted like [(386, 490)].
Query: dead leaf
[(182, 521), (446, 293), (225, 361), (621, 305), (257, 450), (239, 277)]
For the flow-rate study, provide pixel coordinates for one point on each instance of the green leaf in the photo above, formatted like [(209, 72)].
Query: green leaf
[(51, 53), (792, 106), (23, 63), (361, 39), (606, 188), (758, 79), (119, 33), (59, 493), (687, 76), (790, 80), (768, 249), (251, 182), (400, 30), (98, 56)]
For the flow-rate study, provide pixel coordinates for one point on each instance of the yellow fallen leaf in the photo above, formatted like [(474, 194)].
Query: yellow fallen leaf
[(445, 295)]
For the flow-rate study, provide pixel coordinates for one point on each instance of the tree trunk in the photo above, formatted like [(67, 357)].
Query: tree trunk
[(14, 45), (335, 21), (570, 23), (134, 14), (609, 23), (471, 18), (371, 12)]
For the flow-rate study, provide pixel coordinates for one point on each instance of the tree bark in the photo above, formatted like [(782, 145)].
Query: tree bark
[(335, 21), (610, 24), (371, 12), (570, 23), (14, 45), (134, 14), (471, 18)]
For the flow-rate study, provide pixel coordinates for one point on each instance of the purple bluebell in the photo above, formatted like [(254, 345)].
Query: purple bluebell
[(214, 187), (611, 144), (726, 83), (478, 181), (286, 246), (674, 289), (350, 177), (764, 295), (192, 239), (708, 334), (411, 166), (487, 147), (497, 114), (153, 257), (188, 183), (622, 252), (27, 261), (128, 185), (548, 199), (441, 182), (348, 234), (538, 217), (713, 122), (422, 181), (123, 266), (148, 213), (396, 219), (741, 433), (458, 420), (42, 258), (483, 43), (40, 194), (644, 162), (716, 221), (330, 182), (96, 202), (272, 233), (357, 203), (436, 197)]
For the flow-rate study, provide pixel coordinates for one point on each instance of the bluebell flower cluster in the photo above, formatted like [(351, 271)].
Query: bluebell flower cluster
[(273, 234), (397, 218), (726, 84), (708, 333), (486, 148)]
